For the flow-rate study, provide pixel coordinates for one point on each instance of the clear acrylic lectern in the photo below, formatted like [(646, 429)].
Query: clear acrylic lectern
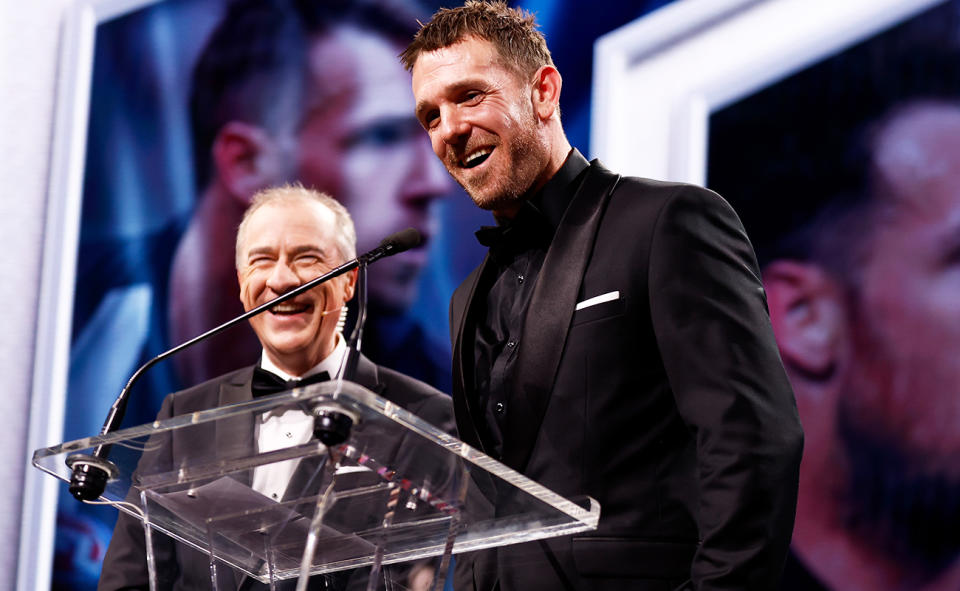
[(397, 490)]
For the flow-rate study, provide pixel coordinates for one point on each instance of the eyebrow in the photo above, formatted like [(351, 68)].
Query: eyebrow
[(401, 122), (421, 108), (453, 88), (256, 250)]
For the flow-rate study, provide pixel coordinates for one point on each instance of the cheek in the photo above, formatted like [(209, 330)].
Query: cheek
[(372, 182), (319, 166), (247, 291), (907, 306), (922, 319), (906, 352), (339, 290), (253, 284), (439, 147)]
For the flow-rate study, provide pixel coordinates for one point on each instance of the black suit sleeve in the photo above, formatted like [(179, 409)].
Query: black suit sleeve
[(125, 564), (713, 330)]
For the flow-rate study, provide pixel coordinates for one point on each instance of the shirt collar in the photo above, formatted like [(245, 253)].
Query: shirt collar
[(552, 200), (331, 364), (540, 215)]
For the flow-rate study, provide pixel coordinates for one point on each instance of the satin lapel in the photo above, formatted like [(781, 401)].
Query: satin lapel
[(462, 405), (238, 430), (368, 377), (548, 315), (236, 433)]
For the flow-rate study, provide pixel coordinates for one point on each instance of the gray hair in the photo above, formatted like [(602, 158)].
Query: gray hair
[(346, 238)]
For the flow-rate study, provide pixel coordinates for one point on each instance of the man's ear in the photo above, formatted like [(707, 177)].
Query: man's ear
[(546, 92), (807, 312), (350, 285), (244, 160), (240, 277)]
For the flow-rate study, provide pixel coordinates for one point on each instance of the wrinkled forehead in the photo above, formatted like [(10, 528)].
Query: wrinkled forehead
[(288, 217), (445, 71), (467, 51)]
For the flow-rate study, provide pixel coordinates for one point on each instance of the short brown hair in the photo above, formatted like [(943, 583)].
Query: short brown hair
[(346, 238), (512, 32)]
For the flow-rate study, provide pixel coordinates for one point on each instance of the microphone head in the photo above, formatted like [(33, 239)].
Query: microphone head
[(402, 240), (393, 244)]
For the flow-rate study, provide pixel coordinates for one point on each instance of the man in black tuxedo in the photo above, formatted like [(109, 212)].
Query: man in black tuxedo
[(288, 236), (615, 341)]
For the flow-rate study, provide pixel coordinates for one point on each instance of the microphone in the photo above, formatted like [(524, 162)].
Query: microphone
[(91, 472), (389, 246), (393, 244), (331, 426)]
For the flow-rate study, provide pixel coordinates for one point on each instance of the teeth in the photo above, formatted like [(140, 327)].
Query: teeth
[(287, 308), (479, 153)]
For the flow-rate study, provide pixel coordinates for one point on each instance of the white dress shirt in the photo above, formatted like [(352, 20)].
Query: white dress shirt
[(288, 426)]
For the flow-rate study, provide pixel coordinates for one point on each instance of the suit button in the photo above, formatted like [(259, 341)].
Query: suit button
[(499, 407)]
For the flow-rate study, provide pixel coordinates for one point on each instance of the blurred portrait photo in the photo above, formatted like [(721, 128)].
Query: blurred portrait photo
[(847, 177)]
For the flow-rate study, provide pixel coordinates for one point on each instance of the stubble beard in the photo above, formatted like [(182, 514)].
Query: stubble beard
[(506, 187), (900, 501)]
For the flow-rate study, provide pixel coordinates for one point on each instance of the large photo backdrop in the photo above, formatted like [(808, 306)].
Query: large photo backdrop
[(197, 104), (846, 175), (844, 168), (832, 129)]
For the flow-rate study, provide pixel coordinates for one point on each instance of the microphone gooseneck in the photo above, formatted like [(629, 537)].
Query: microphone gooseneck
[(330, 425), (91, 472), (393, 244)]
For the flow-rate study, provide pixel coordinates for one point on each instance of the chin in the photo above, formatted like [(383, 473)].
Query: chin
[(482, 199), (289, 347), (502, 199)]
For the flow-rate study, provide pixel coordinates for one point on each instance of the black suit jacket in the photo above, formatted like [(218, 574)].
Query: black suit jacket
[(124, 565), (668, 404)]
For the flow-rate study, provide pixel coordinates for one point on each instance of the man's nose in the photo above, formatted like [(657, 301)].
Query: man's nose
[(453, 127), (282, 278), (428, 179)]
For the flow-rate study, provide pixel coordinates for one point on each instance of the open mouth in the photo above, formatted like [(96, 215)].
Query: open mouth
[(289, 309), (477, 158)]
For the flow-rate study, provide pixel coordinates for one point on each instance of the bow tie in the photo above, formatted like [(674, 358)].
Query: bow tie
[(530, 229), (490, 236), (266, 383), (504, 242)]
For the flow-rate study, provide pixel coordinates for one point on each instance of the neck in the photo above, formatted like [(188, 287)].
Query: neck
[(556, 157)]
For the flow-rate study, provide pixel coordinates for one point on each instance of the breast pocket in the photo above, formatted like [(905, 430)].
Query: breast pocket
[(599, 311)]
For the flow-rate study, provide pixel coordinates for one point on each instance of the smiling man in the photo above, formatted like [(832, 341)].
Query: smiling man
[(307, 92), (614, 343), (284, 241), (288, 236)]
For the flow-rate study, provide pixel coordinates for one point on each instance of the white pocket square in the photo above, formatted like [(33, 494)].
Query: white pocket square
[(607, 297)]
